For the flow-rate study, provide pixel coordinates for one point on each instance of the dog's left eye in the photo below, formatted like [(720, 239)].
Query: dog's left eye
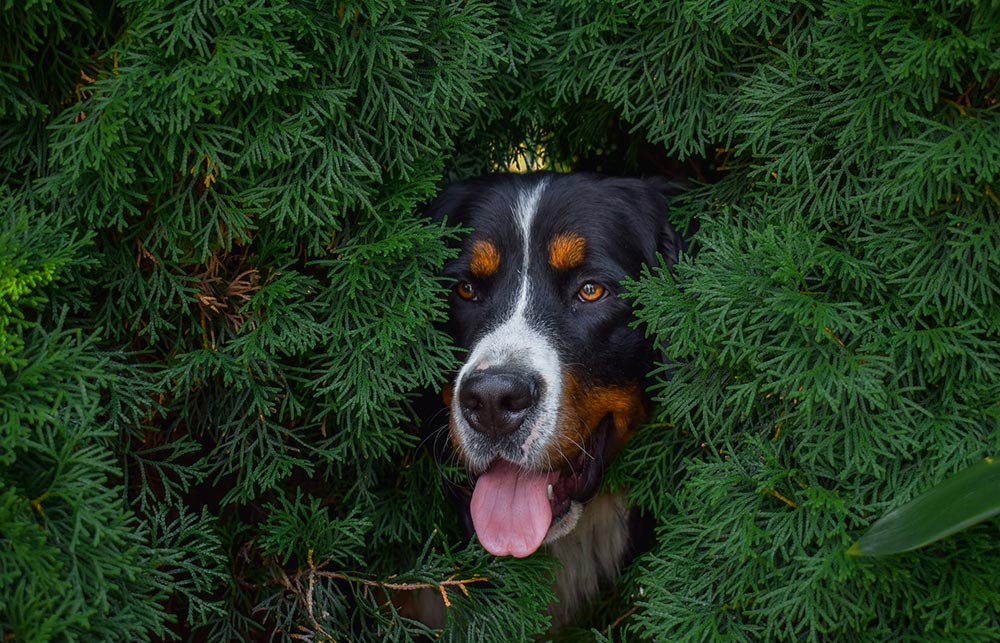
[(466, 291), (591, 292)]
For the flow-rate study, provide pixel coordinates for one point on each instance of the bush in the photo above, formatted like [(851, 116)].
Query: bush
[(219, 309)]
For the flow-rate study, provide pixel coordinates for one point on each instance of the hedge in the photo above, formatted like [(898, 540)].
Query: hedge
[(220, 310)]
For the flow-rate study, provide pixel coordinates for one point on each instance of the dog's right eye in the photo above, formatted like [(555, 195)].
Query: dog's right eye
[(466, 291), (591, 292)]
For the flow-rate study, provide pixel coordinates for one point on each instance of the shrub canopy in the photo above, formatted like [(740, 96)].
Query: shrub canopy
[(219, 309)]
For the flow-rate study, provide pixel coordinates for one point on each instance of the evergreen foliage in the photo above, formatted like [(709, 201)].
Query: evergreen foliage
[(220, 307)]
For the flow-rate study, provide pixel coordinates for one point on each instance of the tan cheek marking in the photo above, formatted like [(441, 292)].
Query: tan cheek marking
[(567, 250), (485, 259), (585, 406)]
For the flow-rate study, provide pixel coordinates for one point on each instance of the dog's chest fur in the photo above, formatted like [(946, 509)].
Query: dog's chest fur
[(590, 556)]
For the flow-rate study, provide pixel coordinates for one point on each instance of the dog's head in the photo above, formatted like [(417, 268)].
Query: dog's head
[(554, 378)]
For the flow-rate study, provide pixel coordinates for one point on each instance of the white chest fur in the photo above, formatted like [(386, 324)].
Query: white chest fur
[(590, 556)]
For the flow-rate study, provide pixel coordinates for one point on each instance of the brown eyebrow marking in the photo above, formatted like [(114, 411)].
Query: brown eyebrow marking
[(566, 250), (485, 258)]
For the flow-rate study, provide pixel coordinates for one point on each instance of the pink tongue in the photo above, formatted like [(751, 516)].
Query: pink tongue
[(511, 510)]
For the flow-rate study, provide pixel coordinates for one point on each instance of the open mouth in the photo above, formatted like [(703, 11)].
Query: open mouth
[(513, 508)]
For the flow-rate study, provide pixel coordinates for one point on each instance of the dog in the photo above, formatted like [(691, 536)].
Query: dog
[(555, 373)]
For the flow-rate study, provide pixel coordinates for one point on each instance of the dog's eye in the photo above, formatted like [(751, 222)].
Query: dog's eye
[(590, 292), (466, 291)]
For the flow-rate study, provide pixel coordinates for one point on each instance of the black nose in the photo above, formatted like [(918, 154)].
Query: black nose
[(495, 402)]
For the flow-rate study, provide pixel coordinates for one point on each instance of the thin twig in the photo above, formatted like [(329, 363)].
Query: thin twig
[(450, 582), (618, 621)]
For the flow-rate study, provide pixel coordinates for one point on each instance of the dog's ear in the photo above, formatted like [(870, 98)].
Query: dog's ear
[(671, 242), (452, 203)]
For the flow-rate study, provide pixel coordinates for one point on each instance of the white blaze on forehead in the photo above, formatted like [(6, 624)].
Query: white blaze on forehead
[(515, 342)]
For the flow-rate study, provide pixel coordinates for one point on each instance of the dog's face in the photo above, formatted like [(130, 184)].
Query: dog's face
[(553, 381)]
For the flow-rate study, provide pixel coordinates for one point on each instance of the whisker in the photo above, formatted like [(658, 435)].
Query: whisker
[(582, 448), (568, 461)]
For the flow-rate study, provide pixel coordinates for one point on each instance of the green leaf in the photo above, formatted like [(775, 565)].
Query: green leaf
[(970, 496)]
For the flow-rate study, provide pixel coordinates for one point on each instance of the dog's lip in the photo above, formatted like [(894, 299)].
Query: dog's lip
[(577, 483)]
